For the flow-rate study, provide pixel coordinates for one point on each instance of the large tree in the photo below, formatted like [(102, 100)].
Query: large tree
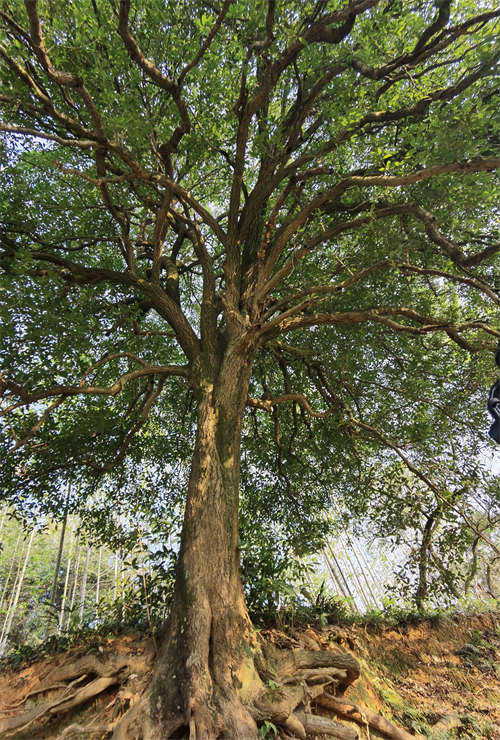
[(284, 206)]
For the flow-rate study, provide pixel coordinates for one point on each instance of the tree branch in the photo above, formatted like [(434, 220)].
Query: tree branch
[(61, 78), (65, 391), (286, 323), (161, 80), (332, 195), (268, 404)]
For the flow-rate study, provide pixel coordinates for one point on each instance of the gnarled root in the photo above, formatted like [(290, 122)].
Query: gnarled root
[(280, 692), (270, 685), (301, 677), (317, 725), (348, 710), (76, 683)]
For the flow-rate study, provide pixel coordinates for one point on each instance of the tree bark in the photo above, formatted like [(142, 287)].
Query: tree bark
[(207, 683), (55, 582), (209, 636), (421, 593)]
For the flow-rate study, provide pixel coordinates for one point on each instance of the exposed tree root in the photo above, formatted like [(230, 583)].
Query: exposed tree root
[(316, 725), (98, 675), (92, 665), (281, 691), (340, 666), (74, 731), (43, 690), (63, 704), (348, 710)]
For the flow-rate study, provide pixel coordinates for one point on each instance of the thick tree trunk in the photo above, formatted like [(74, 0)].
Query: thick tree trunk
[(209, 637), (207, 682)]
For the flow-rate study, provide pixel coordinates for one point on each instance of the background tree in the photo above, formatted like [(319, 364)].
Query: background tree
[(29, 614), (280, 206)]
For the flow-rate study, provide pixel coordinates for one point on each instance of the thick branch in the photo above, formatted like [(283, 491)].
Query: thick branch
[(162, 302), (61, 78), (283, 324), (161, 80), (65, 391)]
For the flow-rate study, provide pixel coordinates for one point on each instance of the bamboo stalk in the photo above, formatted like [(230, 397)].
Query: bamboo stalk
[(12, 611), (65, 591), (98, 584), (83, 590)]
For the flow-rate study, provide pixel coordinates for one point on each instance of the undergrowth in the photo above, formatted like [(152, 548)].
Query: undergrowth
[(125, 616)]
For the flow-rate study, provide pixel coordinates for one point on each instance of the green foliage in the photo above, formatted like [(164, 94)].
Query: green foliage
[(268, 730), (357, 175)]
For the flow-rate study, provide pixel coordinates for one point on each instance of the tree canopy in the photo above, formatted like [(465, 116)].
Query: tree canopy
[(258, 222)]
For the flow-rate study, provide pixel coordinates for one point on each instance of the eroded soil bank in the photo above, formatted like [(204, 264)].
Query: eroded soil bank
[(436, 680)]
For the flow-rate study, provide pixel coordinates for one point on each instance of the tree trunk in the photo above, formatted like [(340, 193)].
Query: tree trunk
[(421, 593), (209, 636), (55, 582), (207, 682)]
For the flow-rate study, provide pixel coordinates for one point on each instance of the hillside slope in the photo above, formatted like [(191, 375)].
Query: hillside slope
[(433, 680)]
